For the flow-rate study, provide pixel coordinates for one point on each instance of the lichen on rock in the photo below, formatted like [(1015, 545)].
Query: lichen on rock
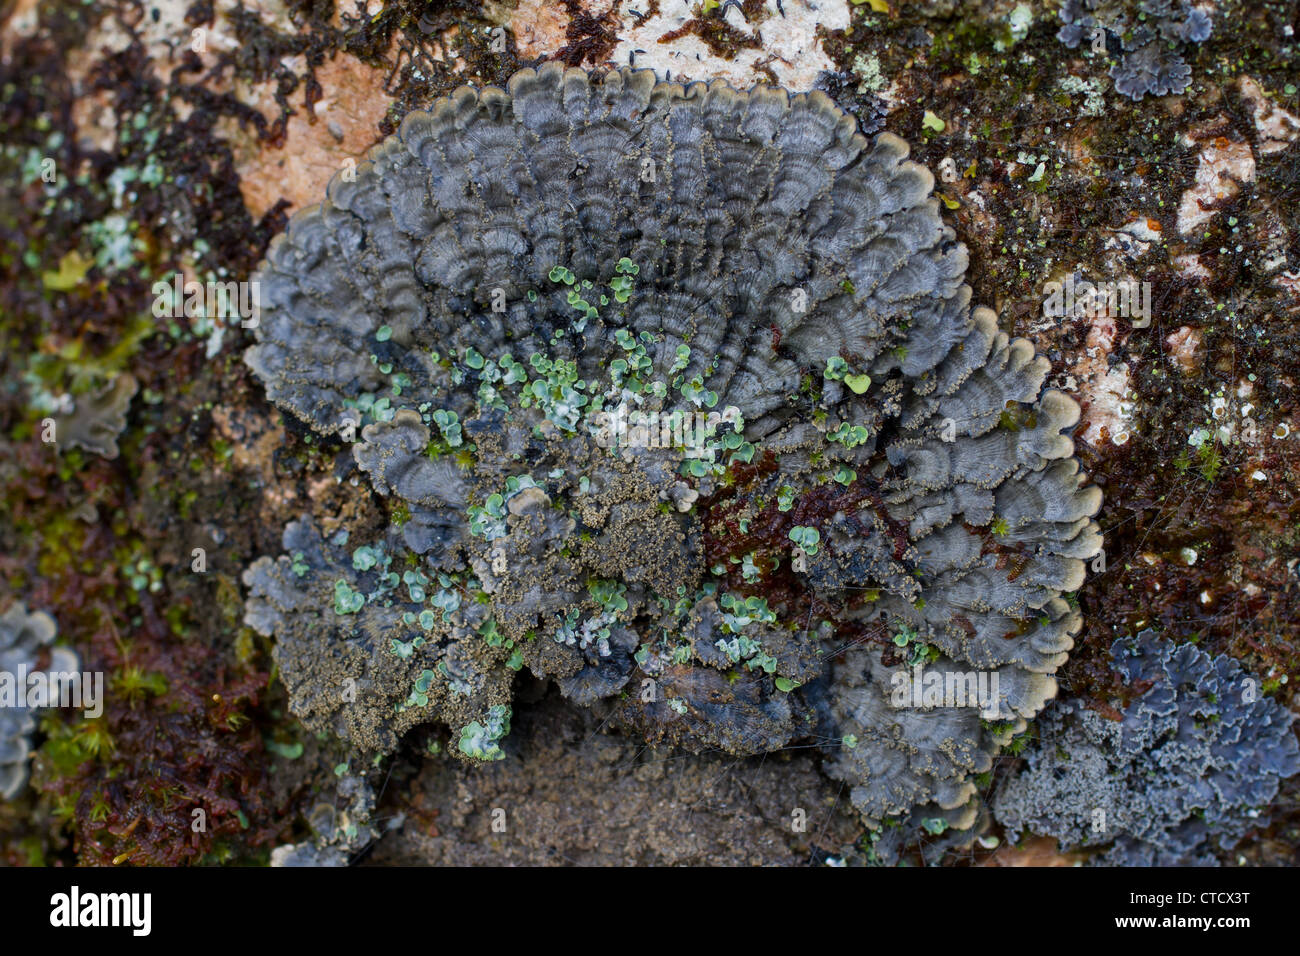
[(1147, 34), (1186, 772), (682, 400), (341, 823)]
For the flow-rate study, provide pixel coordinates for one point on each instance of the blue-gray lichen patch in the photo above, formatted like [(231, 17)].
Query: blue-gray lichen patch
[(680, 393), (1191, 767), (1148, 37)]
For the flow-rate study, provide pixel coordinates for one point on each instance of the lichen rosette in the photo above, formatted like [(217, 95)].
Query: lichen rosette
[(683, 404)]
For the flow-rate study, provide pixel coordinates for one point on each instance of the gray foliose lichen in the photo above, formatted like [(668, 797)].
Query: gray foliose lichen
[(1149, 36), (681, 401), (1186, 773), (341, 824)]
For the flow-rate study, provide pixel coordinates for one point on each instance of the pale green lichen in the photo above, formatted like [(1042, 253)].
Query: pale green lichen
[(481, 741)]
